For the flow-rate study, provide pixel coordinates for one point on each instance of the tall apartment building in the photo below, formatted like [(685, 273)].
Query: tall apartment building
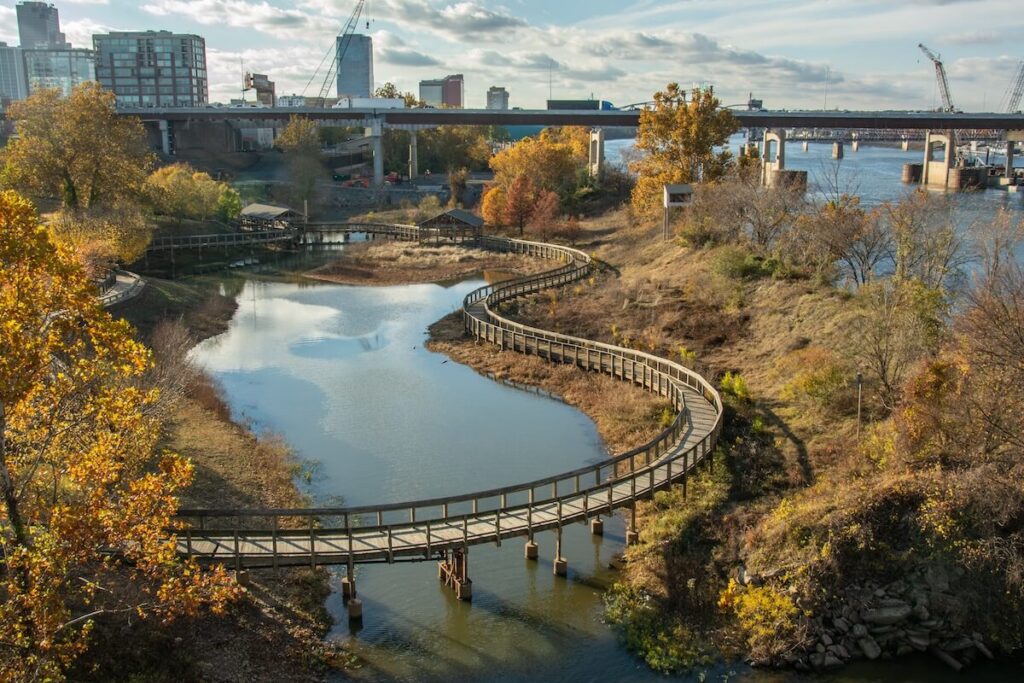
[(62, 69), (153, 68), (39, 26), (355, 67), (13, 84), (448, 91), (497, 98)]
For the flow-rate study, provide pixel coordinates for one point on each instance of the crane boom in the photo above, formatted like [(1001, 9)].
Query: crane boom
[(940, 76), (1016, 90), (338, 50)]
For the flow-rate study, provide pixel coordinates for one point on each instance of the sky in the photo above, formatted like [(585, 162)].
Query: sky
[(793, 54)]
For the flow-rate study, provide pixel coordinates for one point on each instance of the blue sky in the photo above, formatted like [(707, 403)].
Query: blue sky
[(791, 53)]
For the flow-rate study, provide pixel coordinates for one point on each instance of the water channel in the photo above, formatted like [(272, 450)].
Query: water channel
[(341, 373)]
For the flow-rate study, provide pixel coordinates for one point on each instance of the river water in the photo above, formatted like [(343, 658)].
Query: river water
[(341, 373)]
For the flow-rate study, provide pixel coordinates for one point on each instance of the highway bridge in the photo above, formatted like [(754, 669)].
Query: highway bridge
[(443, 529), (424, 118)]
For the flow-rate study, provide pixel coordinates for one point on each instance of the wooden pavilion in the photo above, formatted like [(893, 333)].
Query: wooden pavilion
[(454, 226), (259, 217)]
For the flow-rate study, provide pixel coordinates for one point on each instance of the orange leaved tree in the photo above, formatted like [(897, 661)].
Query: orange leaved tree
[(86, 497)]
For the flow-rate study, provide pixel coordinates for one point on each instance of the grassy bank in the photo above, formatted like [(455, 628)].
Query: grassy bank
[(398, 263), (275, 632)]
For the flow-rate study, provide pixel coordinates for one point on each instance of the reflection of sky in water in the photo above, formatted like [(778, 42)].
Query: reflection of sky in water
[(342, 373)]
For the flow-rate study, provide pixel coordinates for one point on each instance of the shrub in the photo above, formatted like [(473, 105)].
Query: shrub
[(819, 379), (665, 644), (736, 386), (769, 618), (738, 263)]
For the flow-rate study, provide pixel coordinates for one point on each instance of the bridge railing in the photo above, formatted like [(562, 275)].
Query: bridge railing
[(660, 376), (226, 239)]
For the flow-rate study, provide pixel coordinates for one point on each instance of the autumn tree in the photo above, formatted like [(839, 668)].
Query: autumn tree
[(77, 148), (179, 191), (458, 181), (927, 246), (86, 496), (446, 148), (679, 140), (544, 215), (549, 163), (519, 202), (390, 91), (492, 206), (100, 238), (300, 142)]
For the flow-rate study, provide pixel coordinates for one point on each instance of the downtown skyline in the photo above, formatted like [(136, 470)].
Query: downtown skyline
[(790, 54)]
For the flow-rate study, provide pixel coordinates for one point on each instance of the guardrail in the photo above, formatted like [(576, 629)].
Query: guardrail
[(418, 530)]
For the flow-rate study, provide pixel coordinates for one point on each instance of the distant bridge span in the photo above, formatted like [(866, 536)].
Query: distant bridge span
[(443, 528), (414, 118)]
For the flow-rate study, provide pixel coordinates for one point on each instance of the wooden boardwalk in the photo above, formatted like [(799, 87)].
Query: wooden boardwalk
[(428, 529)]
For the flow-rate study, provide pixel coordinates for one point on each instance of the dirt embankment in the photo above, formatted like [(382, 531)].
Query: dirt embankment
[(276, 631), (626, 416), (400, 263)]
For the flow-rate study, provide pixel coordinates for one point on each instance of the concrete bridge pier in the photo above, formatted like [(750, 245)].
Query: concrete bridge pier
[(905, 145), (772, 163), (855, 145), (806, 145), (596, 160), (837, 150), (414, 157), (1010, 150), (375, 131), (935, 172), (597, 526)]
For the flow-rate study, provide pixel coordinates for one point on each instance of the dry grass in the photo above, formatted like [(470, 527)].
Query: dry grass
[(394, 263)]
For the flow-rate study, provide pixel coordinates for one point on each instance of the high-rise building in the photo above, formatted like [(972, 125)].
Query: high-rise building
[(62, 69), (13, 84), (448, 91), (39, 26), (153, 68), (355, 67), (497, 98)]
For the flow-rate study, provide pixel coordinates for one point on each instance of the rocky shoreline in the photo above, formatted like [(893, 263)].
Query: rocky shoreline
[(921, 612)]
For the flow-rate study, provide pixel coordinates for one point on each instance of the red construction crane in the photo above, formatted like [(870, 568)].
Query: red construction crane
[(940, 76)]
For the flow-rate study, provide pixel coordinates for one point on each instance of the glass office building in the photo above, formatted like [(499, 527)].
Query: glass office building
[(60, 69), (153, 68), (13, 85)]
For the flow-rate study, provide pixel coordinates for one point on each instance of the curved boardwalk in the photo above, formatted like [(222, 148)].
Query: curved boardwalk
[(432, 529)]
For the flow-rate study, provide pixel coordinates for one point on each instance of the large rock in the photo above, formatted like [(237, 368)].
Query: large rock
[(859, 630), (887, 615), (869, 647), (937, 578)]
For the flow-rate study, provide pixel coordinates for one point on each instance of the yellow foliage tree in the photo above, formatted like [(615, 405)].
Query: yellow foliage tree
[(300, 142), (548, 164), (99, 238), (77, 148), (492, 206), (181, 192), (85, 496), (678, 138)]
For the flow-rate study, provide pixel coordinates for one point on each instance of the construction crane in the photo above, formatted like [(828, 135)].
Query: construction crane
[(1015, 91), (940, 76), (336, 52)]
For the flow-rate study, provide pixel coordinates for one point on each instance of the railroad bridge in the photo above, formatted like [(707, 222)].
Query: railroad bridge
[(443, 529)]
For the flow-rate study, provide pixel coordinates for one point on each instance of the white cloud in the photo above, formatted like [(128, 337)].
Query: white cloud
[(8, 26)]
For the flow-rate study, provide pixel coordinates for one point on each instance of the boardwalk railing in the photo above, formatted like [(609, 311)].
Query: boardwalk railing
[(424, 529), (227, 239)]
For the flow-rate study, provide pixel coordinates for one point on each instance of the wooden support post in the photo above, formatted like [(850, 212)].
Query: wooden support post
[(632, 535), (561, 566)]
